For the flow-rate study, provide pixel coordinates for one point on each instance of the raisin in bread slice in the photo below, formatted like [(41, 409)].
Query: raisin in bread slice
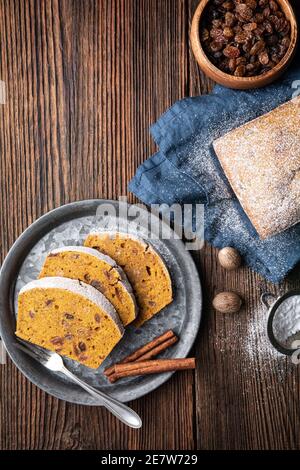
[(69, 317)]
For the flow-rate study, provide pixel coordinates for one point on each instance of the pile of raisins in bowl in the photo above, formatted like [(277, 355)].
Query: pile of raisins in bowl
[(245, 38)]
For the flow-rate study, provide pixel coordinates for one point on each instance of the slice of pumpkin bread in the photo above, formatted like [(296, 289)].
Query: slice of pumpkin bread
[(70, 318), (96, 269), (144, 268)]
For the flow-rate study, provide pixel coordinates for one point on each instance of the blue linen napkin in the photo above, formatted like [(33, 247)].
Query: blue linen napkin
[(186, 170)]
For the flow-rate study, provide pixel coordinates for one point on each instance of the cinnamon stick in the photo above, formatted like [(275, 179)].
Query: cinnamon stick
[(149, 355), (158, 349), (145, 352), (153, 367)]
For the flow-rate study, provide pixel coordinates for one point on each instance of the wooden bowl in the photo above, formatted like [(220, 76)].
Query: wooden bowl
[(242, 83)]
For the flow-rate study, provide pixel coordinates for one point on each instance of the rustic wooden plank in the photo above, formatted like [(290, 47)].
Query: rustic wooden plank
[(247, 395), (85, 79)]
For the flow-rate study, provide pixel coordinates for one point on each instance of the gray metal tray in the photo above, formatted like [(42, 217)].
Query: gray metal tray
[(68, 225)]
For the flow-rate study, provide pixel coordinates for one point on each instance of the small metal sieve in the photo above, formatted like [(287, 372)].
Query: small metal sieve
[(283, 326)]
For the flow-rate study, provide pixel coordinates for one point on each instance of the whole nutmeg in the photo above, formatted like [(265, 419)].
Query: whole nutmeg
[(227, 302), (229, 258)]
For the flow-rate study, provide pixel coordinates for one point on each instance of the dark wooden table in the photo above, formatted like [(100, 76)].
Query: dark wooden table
[(84, 81)]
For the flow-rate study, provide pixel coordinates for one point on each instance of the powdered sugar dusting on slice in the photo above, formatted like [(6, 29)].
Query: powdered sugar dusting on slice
[(88, 251)]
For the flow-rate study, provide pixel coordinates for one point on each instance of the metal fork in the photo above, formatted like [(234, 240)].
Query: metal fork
[(54, 362)]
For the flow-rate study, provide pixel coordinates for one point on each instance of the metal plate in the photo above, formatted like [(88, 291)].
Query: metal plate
[(68, 225)]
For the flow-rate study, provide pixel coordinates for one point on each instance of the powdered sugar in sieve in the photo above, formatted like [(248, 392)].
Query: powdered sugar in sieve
[(284, 321)]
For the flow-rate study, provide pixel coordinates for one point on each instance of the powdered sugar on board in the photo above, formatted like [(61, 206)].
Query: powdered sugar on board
[(249, 335)]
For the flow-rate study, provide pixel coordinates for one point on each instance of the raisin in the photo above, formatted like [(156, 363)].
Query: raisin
[(217, 34), (228, 5), (245, 37), (118, 293), (273, 5), (232, 65), (240, 71), (238, 29), (148, 269), (224, 65), (204, 37), (279, 14), (218, 54), (76, 350), (231, 52), (251, 4), (217, 23), (285, 42), (228, 32), (69, 316), (275, 57), (263, 57), (286, 29), (268, 27), (247, 46), (258, 46), (57, 341), (244, 12), (82, 346), (259, 32), (251, 67), (281, 51), (259, 18), (267, 12), (241, 60), (215, 46), (241, 37), (250, 26)]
